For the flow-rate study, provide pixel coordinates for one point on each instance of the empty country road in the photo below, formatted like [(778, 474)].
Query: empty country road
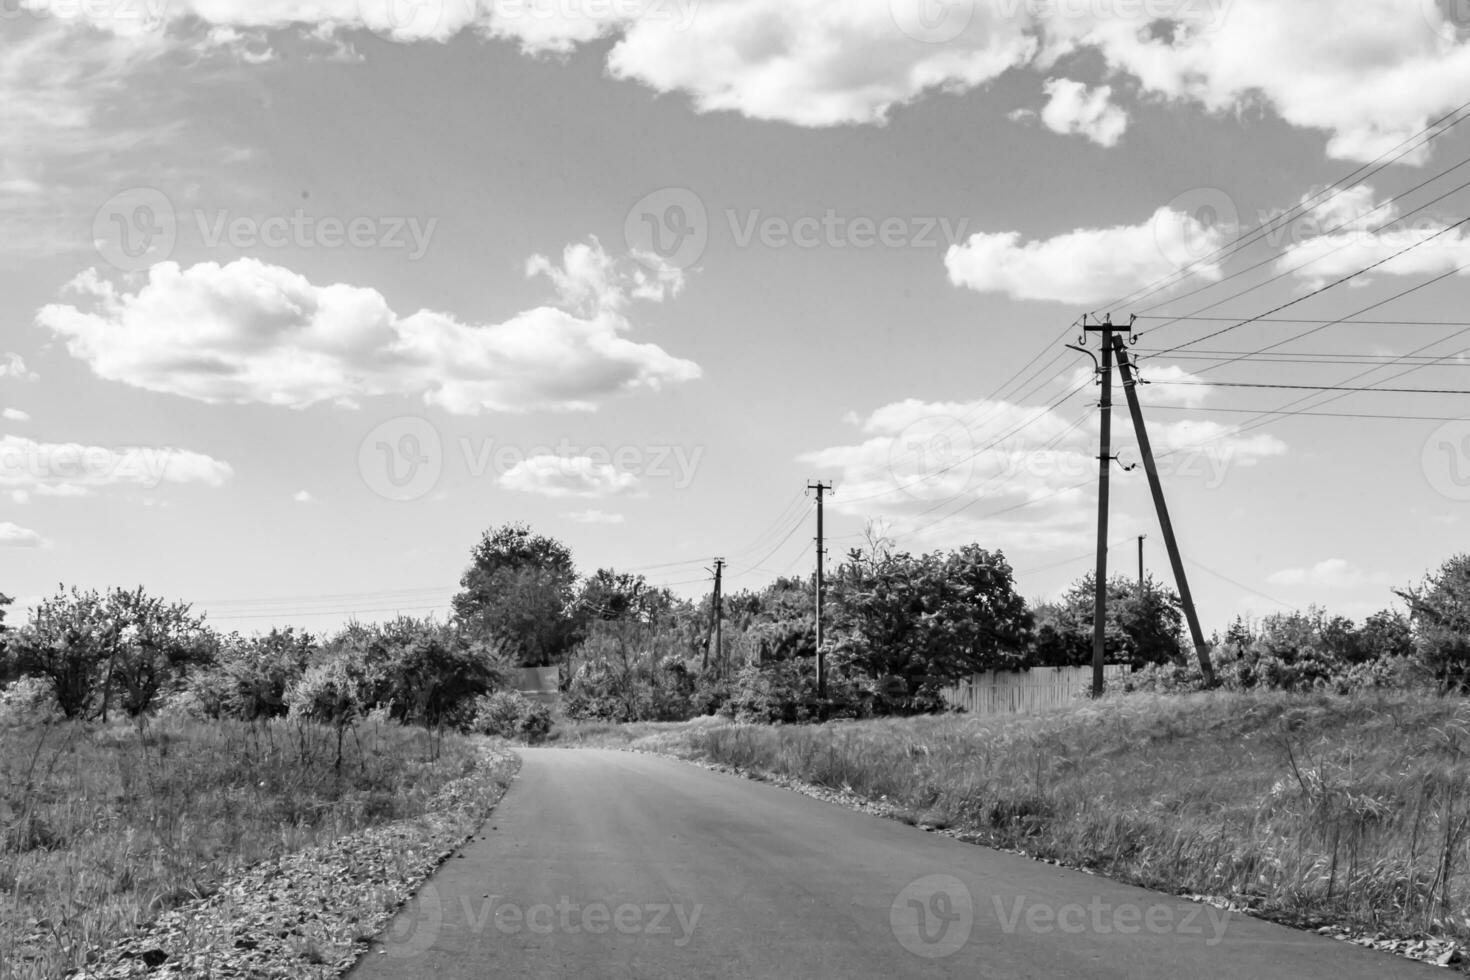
[(605, 864)]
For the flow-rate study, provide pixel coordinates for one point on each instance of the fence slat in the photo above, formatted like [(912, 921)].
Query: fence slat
[(997, 692)]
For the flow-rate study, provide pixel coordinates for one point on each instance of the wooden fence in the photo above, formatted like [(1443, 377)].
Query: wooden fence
[(1004, 692), (539, 683)]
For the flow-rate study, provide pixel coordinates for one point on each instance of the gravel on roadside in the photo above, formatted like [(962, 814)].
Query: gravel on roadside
[(311, 914)]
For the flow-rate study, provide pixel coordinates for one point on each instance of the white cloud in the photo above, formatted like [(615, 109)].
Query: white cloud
[(1355, 230), (1071, 108), (568, 476), (1089, 265), (14, 366), (303, 497), (1015, 476), (593, 516), (15, 536), (75, 470), (15, 415), (251, 332), (1331, 573), (1367, 74)]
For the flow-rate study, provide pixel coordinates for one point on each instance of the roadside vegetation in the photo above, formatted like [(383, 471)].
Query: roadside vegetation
[(144, 753)]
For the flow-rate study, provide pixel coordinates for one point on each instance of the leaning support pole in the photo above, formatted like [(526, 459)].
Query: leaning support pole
[(1130, 389)]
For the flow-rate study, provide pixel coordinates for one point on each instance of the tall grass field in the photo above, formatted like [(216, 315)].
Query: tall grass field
[(106, 825)]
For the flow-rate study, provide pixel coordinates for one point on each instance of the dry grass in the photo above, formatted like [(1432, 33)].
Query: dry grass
[(1316, 809), (104, 826)]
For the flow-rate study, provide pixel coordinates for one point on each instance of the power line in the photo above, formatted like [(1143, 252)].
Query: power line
[(1257, 384)]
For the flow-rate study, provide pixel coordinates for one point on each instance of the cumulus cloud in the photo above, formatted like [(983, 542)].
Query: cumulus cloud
[(249, 332), (1016, 476), (75, 470), (15, 415), (1355, 230), (303, 497), (1367, 74), (593, 516), (13, 366), (1072, 108), (1089, 265), (1331, 573), (568, 476), (15, 536)]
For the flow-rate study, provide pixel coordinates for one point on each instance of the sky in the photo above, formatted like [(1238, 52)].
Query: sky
[(299, 300)]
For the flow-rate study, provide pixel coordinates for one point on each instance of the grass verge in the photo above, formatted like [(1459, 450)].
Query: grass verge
[(1316, 810), (104, 827)]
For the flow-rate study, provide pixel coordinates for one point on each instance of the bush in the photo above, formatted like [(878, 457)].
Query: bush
[(27, 701), (511, 715)]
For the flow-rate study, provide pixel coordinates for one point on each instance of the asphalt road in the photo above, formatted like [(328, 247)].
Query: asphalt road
[(604, 864)]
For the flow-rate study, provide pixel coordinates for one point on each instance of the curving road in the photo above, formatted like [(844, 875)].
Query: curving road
[(604, 864)]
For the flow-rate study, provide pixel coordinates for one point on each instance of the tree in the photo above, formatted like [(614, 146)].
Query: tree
[(88, 645), (518, 592), (1140, 627), (253, 675), (154, 643), (927, 621), (7, 664), (1439, 609)]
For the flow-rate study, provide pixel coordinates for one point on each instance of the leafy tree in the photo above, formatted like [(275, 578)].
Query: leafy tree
[(609, 595), (89, 644), (518, 592), (927, 621), (252, 675), (7, 664), (153, 643), (1439, 609), (1140, 628)]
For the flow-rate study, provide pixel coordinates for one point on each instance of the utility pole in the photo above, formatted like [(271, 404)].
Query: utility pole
[(719, 612), (1130, 388), (1140, 566), (821, 489), (1104, 470)]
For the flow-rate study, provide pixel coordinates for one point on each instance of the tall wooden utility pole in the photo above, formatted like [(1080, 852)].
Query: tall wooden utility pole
[(1130, 389), (1140, 566), (1104, 470), (719, 611), (821, 489)]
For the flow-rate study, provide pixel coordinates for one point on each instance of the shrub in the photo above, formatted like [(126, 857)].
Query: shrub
[(27, 701), (512, 715)]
